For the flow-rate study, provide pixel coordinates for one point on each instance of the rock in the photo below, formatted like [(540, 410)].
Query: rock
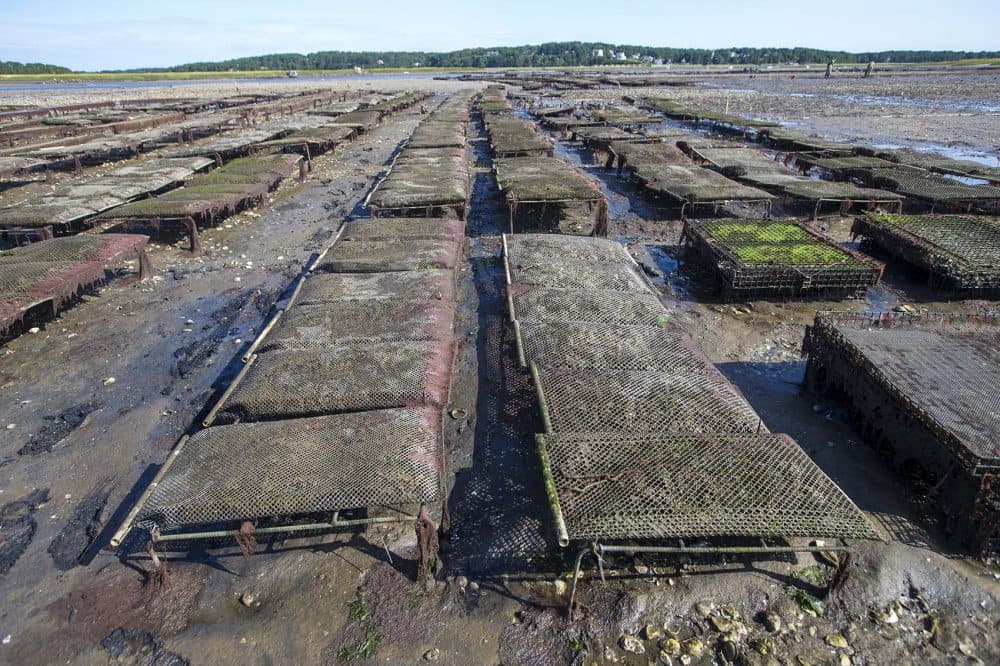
[(685, 659), (728, 651), (609, 655), (837, 641), (671, 646), (560, 587), (247, 599), (943, 635), (844, 659), (432, 655), (651, 632), (473, 586), (703, 608), (966, 646), (639, 567), (772, 621), (802, 661), (462, 582), (665, 659), (109, 381), (33, 330), (721, 624), (630, 643), (694, 647)]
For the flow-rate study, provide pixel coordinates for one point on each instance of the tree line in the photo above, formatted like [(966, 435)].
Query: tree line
[(11, 67), (566, 54)]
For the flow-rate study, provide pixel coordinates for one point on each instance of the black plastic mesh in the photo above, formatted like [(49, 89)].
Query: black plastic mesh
[(951, 374), (527, 249), (390, 255), (400, 228), (656, 486), (591, 305), (293, 383), (961, 249), (569, 273), (598, 346), (643, 402), (282, 468), (420, 284), (361, 321)]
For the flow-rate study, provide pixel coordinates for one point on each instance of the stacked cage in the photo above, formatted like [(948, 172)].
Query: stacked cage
[(644, 440), (922, 389), (775, 258), (959, 252)]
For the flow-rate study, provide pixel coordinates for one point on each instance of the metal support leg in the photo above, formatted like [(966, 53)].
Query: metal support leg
[(192, 229)]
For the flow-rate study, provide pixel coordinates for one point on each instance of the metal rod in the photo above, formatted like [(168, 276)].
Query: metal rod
[(542, 404), (126, 525), (506, 258), (285, 529), (319, 257), (260, 337), (228, 392), (550, 490), (521, 358)]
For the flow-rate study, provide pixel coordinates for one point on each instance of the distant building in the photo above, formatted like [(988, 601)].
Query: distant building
[(621, 56), (598, 53)]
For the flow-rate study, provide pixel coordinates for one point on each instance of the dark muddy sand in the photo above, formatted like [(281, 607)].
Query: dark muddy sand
[(76, 448)]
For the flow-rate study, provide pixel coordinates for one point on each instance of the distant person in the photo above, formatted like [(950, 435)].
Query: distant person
[(829, 69), (869, 69)]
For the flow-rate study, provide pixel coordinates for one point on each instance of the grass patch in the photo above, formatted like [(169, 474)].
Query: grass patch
[(776, 232), (358, 611), (796, 253)]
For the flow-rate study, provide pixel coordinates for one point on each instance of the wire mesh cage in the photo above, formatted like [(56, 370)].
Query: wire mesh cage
[(598, 346), (294, 383), (438, 284), (642, 401), (958, 251), (233, 473), (361, 321), (770, 257), (409, 228), (390, 255), (528, 249), (614, 485), (589, 305)]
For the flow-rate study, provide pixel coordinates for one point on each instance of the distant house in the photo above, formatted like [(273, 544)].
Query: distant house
[(598, 53), (380, 62), (621, 56)]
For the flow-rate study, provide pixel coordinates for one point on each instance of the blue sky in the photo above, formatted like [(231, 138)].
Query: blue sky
[(113, 34)]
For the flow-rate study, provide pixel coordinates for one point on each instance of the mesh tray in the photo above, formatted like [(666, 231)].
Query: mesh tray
[(361, 321), (624, 486), (293, 383), (334, 287), (590, 305), (608, 347), (525, 249), (409, 228), (646, 402), (327, 463), (951, 375), (83, 247), (576, 274), (381, 256)]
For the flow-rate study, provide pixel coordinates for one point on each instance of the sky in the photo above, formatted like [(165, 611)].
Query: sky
[(110, 34)]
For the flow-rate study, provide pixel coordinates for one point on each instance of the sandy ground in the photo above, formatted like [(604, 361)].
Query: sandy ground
[(81, 448)]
